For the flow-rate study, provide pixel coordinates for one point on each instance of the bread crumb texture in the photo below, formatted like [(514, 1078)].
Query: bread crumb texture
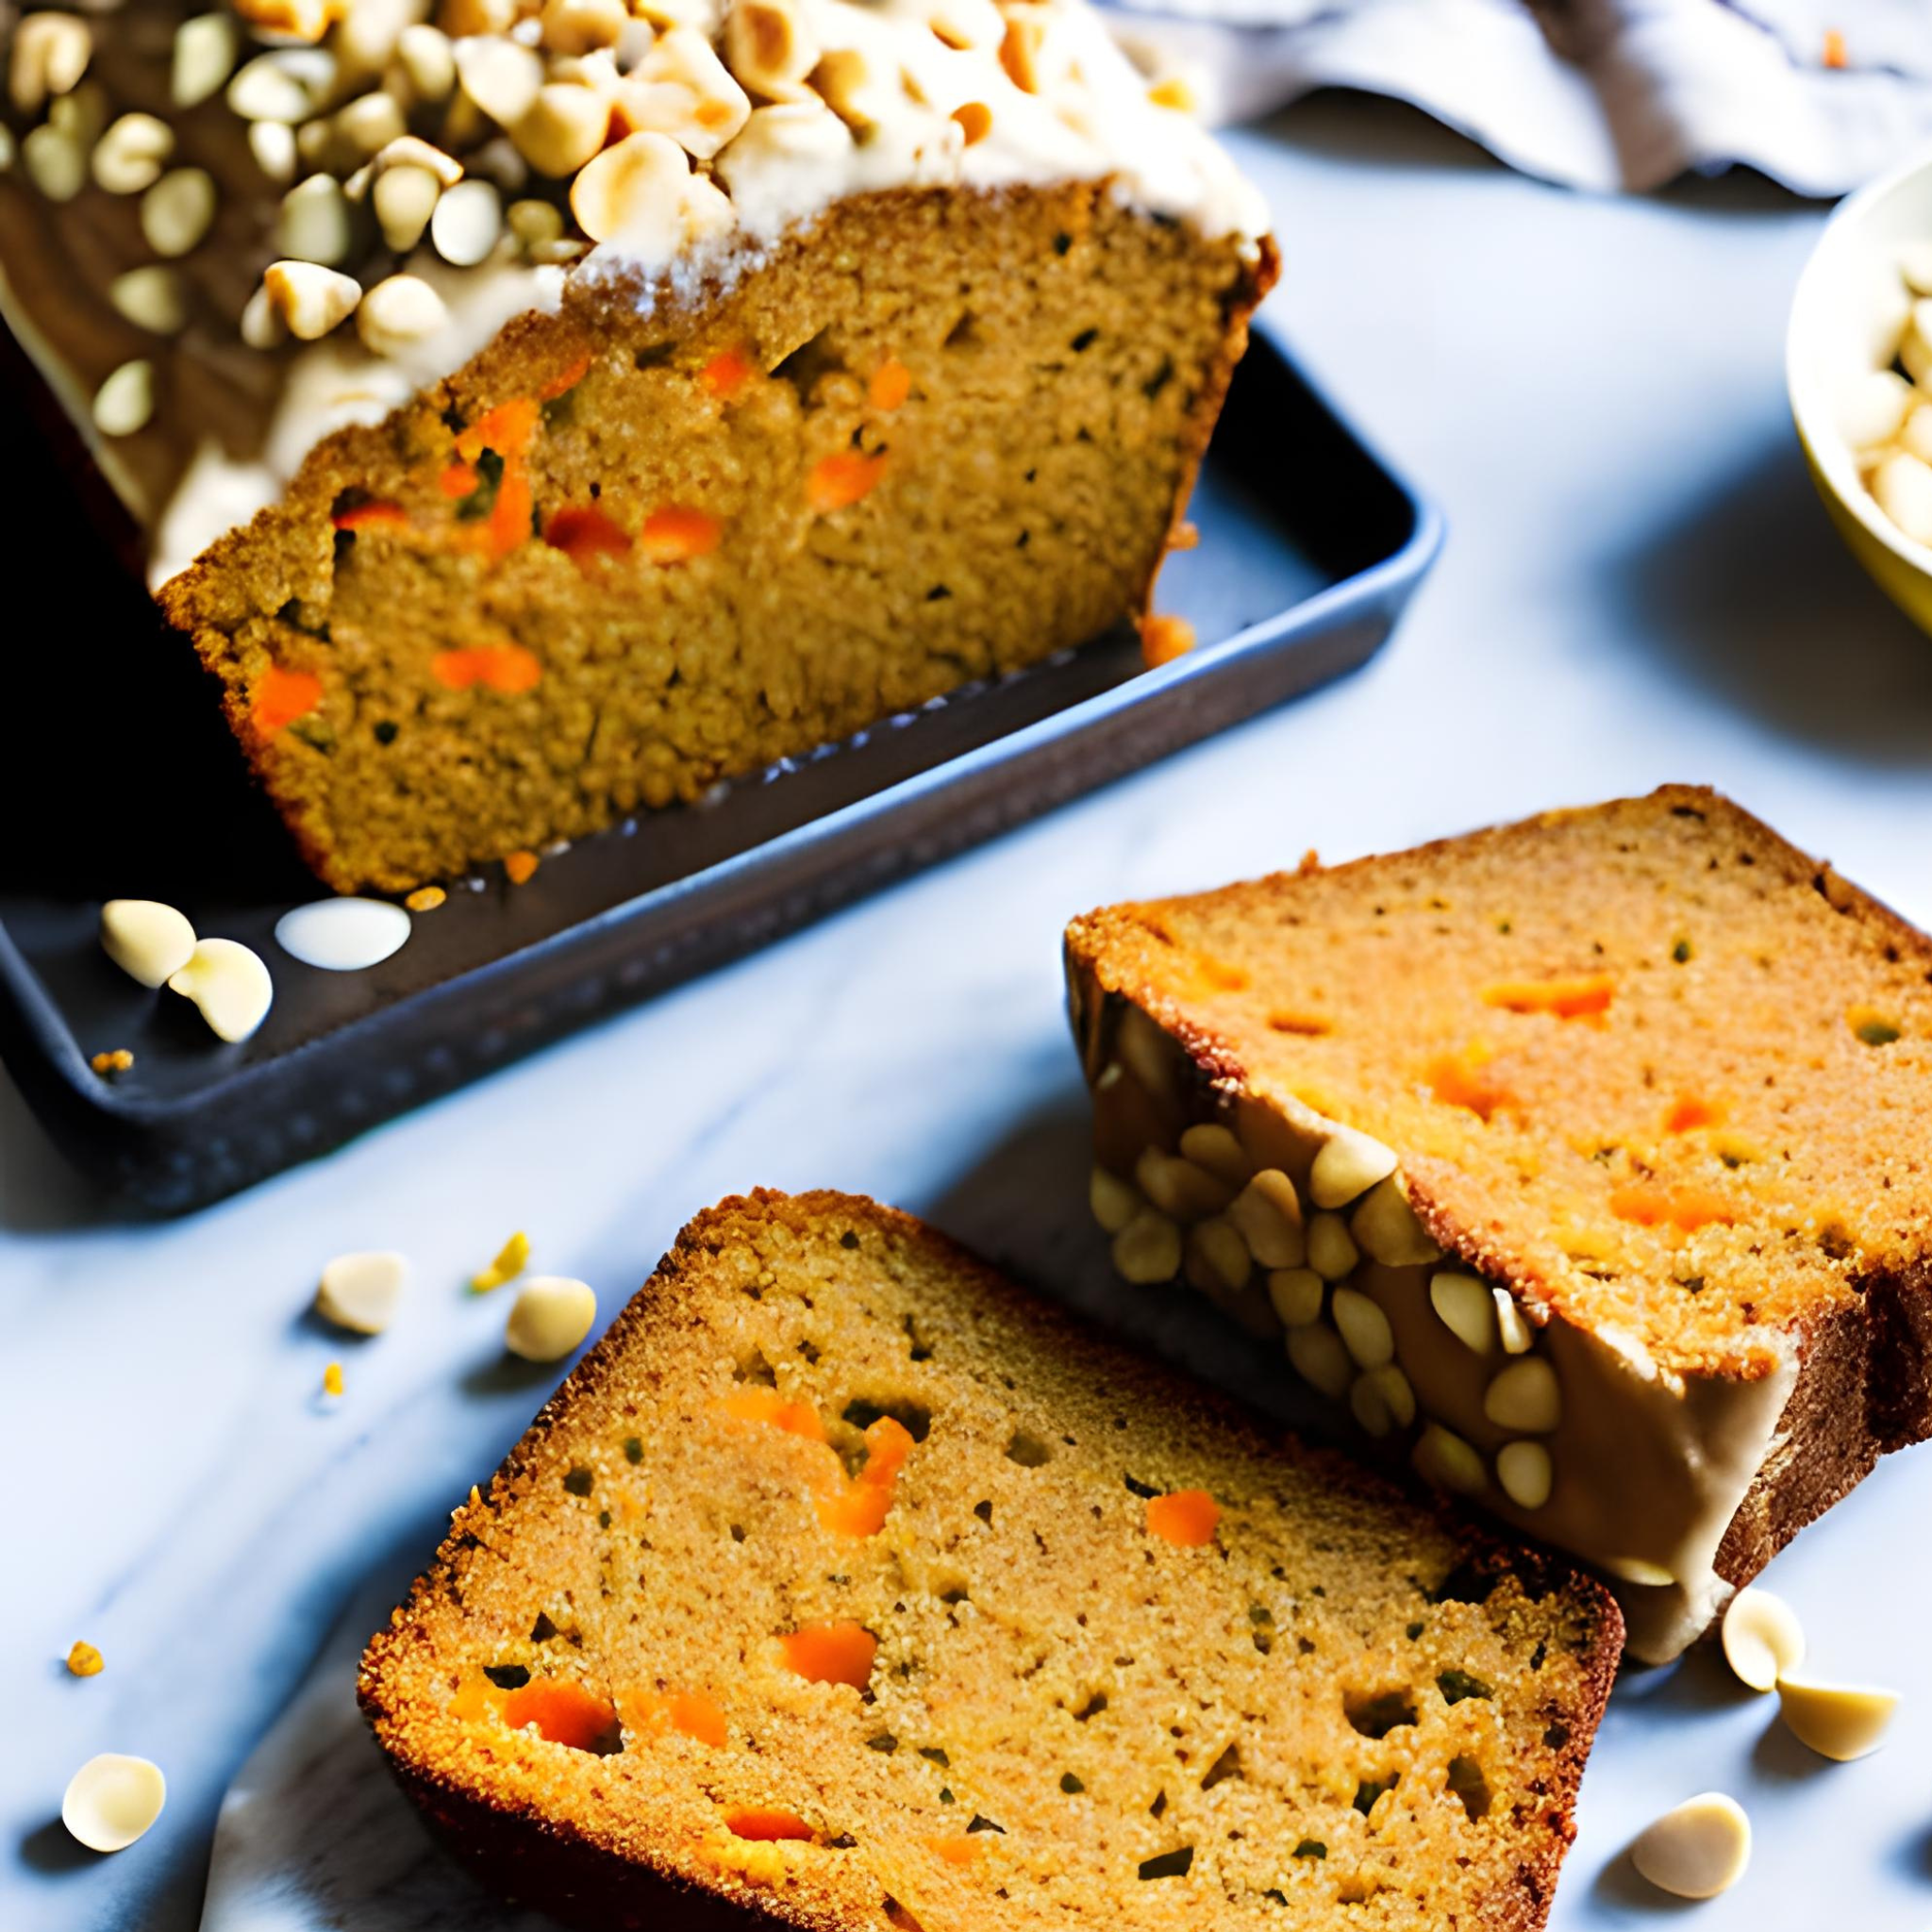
[(1646, 1062), (844, 1583), (635, 548)]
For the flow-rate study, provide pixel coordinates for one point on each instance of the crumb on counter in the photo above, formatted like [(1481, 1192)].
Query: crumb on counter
[(426, 899), (1163, 638), (1834, 52), (107, 1064), (520, 867), (508, 1265), (84, 1660), (332, 1379)]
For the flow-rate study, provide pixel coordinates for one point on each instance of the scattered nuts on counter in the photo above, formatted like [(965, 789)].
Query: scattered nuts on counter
[(1763, 1638), (230, 986), (113, 1800), (551, 1315), (1697, 1850), (1838, 1720), (509, 1263), (149, 942), (362, 1292), (84, 1660)]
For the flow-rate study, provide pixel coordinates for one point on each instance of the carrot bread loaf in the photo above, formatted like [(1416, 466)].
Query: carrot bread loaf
[(538, 408), (1585, 1160), (844, 1583)]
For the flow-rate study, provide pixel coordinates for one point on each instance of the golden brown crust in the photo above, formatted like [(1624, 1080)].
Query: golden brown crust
[(586, 1865)]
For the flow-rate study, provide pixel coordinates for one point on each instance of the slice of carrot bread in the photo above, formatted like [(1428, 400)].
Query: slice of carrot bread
[(843, 1583), (1586, 1159)]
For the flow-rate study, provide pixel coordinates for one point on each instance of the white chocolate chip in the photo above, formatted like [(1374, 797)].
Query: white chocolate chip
[(1398, 1397), (177, 212), (467, 222), (1364, 1329), (229, 984), (636, 189), (403, 200), (501, 78), (265, 89), (563, 127), (1348, 1163), (1511, 1329), (1463, 1305), (1216, 1246), (1525, 1398), (1872, 406), (1332, 1252), (56, 164), (1386, 1227), (1837, 1720), (50, 53), (310, 300), (1525, 1474), (124, 403), (261, 325), (369, 31), (551, 1315), (1208, 1144), (151, 297), (1269, 1219), (129, 158), (1297, 1295), (147, 940), (273, 144), (204, 57), (1697, 1850), (429, 62), (362, 1292), (1178, 1187), (411, 152), (581, 27), (1903, 484), (1763, 1638), (1320, 1360), (314, 222), (1148, 1249), (397, 313), (113, 1800), (1444, 1459), (1370, 1407), (371, 121)]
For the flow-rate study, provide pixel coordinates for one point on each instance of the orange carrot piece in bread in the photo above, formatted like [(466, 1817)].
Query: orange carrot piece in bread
[(1582, 996), (954, 1851), (564, 1713), (507, 429), (586, 534), (765, 1822), (1692, 1112), (862, 1508), (891, 384), (458, 479), (282, 696), (366, 516), (838, 1653), (760, 1405), (690, 1713), (1464, 1080), (508, 668), (564, 380), (674, 534), (837, 482), (1688, 1209), (1185, 1517), (724, 374)]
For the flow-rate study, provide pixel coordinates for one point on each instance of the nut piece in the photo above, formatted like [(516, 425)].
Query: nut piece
[(1364, 1329), (635, 189), (1698, 1850), (1297, 1295), (1368, 1406), (1320, 1360), (1841, 1721), (581, 27), (273, 144), (314, 222), (429, 62), (266, 89), (228, 983), (1113, 1201), (1332, 1252), (1208, 1144), (769, 49), (151, 298), (1349, 1163), (1216, 1249), (1639, 1571), (84, 1660), (177, 212), (1443, 1458), (129, 157), (309, 299), (1392, 1386), (56, 162), (404, 199), (1148, 1249), (361, 1291), (1463, 1305), (467, 222), (1268, 1217), (563, 128), (111, 1800), (1525, 1473), (499, 76), (204, 50), (126, 401), (1178, 1187), (50, 53), (1525, 1398), (1763, 1638), (149, 942), (1873, 407), (1386, 1226), (551, 1315), (1511, 1329), (400, 311)]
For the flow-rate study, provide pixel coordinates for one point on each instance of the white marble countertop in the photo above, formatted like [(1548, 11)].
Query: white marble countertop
[(1639, 585)]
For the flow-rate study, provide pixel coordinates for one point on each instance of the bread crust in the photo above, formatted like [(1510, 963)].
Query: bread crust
[(583, 1878)]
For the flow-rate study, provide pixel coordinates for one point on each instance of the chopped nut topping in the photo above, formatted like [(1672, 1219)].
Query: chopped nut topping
[(50, 53), (308, 299)]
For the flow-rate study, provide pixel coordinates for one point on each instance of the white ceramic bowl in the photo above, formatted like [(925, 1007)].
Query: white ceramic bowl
[(1847, 315)]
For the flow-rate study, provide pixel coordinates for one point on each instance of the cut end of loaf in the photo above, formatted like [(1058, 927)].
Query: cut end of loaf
[(843, 1583)]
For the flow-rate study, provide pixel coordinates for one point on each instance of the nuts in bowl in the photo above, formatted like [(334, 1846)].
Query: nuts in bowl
[(1859, 363)]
